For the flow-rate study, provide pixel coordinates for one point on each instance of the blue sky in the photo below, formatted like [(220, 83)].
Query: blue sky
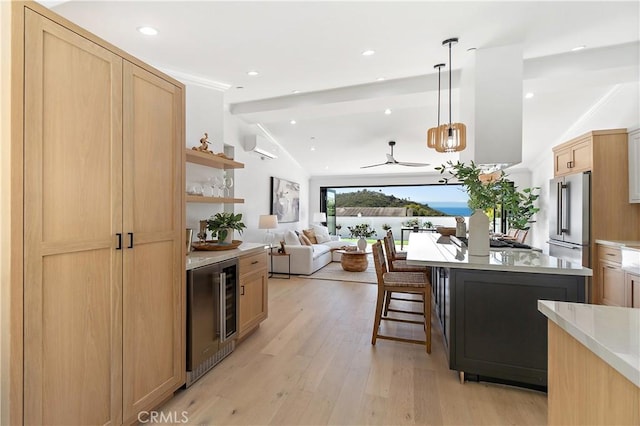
[(423, 193)]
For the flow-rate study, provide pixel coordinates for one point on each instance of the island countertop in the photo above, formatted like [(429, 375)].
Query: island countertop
[(434, 250), (196, 259), (611, 333)]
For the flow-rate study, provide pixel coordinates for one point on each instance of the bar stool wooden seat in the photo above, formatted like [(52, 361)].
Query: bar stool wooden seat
[(401, 282)]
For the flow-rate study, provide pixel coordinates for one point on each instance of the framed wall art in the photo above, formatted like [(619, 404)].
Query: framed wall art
[(285, 200)]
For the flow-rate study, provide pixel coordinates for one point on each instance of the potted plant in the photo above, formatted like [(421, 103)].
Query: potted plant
[(223, 225), (386, 226), (490, 190), (361, 231)]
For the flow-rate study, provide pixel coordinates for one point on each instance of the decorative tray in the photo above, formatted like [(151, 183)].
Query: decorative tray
[(213, 245)]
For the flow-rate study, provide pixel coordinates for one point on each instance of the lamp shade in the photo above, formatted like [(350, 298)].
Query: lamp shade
[(320, 217), (268, 221)]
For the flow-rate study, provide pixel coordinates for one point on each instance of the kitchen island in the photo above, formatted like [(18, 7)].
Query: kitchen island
[(487, 306), (594, 364)]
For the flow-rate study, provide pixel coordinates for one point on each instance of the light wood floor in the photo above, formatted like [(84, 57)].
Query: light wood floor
[(312, 363)]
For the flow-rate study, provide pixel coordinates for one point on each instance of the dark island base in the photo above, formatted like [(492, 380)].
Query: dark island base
[(491, 322)]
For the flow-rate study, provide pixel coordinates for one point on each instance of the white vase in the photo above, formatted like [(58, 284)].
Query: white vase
[(362, 244), (478, 234), (229, 238)]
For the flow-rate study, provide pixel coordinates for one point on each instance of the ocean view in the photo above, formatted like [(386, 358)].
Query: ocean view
[(451, 208)]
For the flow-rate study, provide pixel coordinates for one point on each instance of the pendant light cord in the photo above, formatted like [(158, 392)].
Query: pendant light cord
[(438, 94), (449, 88)]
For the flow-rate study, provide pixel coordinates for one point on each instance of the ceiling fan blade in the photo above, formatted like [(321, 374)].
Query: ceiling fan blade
[(402, 163), (375, 165)]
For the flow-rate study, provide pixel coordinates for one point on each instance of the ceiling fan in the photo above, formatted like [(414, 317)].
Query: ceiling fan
[(392, 161)]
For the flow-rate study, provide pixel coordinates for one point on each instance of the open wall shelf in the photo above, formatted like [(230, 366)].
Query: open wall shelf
[(211, 160)]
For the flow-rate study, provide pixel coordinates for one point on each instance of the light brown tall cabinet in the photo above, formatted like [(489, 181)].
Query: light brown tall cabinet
[(605, 154), (103, 262)]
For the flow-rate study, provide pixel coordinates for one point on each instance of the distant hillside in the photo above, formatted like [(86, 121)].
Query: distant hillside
[(365, 198)]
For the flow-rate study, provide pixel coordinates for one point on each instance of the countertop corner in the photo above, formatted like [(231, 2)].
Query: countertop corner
[(611, 333)]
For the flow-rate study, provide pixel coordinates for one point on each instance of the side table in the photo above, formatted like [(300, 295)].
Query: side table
[(272, 274)]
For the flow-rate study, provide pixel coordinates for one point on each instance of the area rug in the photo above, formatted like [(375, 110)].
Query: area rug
[(333, 271)]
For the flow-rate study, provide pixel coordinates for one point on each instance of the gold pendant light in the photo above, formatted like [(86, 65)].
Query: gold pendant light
[(433, 132), (451, 137)]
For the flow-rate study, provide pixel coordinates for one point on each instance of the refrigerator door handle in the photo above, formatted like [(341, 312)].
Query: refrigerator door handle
[(565, 245), (564, 210), (558, 208)]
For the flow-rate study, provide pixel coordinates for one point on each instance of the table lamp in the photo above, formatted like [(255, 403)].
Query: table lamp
[(319, 217), (268, 222)]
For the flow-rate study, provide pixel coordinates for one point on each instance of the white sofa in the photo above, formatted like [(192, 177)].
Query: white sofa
[(305, 260)]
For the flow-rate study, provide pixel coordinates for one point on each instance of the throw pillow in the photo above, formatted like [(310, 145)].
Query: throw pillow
[(304, 240), (311, 235), (291, 239), (322, 238), (322, 233)]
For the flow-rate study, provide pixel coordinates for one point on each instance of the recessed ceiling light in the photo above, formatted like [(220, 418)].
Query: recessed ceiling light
[(368, 52), (252, 73), (295, 91), (313, 148), (148, 30), (292, 122), (528, 95), (575, 49), (387, 111), (380, 79)]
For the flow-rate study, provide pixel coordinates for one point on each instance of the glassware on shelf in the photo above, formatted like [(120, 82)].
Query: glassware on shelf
[(228, 184), (220, 185), (194, 188)]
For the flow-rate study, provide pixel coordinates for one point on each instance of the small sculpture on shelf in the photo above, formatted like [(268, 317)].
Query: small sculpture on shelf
[(204, 142)]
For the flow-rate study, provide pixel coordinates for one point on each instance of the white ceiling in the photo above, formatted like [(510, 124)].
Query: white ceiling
[(315, 47)]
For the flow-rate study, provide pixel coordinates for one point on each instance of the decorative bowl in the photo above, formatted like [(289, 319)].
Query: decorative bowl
[(445, 231), (213, 245)]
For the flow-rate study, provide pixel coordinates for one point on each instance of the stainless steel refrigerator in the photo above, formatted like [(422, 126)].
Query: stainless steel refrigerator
[(570, 218)]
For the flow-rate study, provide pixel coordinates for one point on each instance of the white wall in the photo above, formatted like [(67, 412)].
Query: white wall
[(206, 112), (253, 183)]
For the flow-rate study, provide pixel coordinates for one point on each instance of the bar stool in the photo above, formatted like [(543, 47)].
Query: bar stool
[(401, 282), (396, 255), (399, 266)]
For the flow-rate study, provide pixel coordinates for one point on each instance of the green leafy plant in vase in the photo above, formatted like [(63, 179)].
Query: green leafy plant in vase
[(491, 190), (361, 231), (223, 224)]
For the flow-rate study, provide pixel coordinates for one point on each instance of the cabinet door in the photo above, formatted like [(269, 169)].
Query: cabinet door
[(634, 167), (562, 162), (72, 198), (253, 300), (153, 287), (633, 290), (581, 156), (613, 285)]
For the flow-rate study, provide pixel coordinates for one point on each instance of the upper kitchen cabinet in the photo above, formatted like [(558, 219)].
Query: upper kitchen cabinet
[(572, 157), (634, 166), (103, 240)]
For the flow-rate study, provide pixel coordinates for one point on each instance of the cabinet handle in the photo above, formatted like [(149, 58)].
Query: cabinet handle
[(611, 254), (241, 290), (119, 246), (254, 262), (130, 234)]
